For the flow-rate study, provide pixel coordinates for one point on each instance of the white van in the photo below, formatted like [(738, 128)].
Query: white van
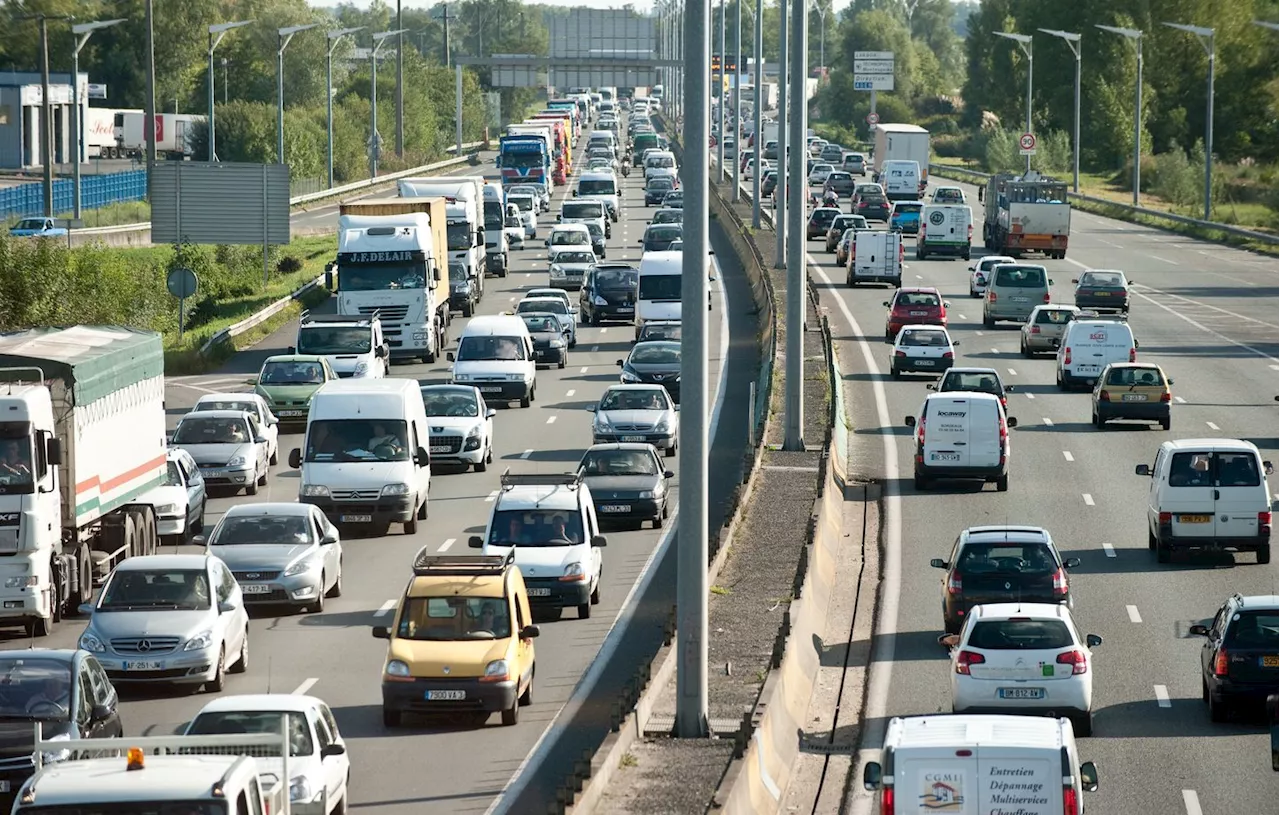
[(585, 211), (945, 229), (365, 460), (980, 763), (901, 180), (1089, 345), (659, 285), (877, 258), (354, 344), (495, 354), (962, 436), (605, 137), (602, 186), (1208, 494), (661, 162), (568, 236)]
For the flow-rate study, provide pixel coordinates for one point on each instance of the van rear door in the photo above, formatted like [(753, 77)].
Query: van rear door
[(1189, 494), (1024, 780), (1241, 493), (984, 433), (938, 780), (946, 431)]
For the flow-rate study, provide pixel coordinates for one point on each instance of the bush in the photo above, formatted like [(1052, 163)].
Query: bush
[(288, 265)]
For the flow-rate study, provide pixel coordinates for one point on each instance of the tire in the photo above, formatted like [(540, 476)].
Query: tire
[(564, 360), (1204, 691), (318, 606), (921, 482), (1264, 554), (584, 611), (525, 400), (895, 373), (1083, 724), (468, 309), (1166, 423), (1163, 553), (252, 487), (595, 593), (482, 464), (262, 479), (84, 573), (1219, 710), (411, 525), (1026, 352), (199, 526), (511, 716), (987, 322), (429, 357), (672, 450), (1098, 421), (38, 627), (275, 456), (219, 680), (526, 698), (1002, 483), (336, 591), (390, 717), (242, 662)]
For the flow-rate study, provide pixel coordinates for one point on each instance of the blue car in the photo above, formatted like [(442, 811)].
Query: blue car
[(905, 216), (38, 228)]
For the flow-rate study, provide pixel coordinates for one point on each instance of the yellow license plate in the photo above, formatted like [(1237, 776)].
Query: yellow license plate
[(1271, 662), (1195, 519)]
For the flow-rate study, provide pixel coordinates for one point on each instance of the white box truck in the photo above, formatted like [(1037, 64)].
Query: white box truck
[(464, 211), (901, 142), (174, 132), (82, 440)]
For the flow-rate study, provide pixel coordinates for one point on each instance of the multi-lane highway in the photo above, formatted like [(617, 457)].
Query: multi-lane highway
[(441, 765), (1207, 314)]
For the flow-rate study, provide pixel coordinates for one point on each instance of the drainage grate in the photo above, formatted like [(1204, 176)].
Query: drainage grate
[(661, 724)]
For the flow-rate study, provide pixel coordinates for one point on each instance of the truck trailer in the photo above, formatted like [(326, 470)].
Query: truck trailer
[(1028, 213), (899, 142), (174, 133), (82, 425)]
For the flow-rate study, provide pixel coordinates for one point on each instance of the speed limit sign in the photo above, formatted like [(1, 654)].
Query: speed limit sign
[(873, 118), (1028, 143)]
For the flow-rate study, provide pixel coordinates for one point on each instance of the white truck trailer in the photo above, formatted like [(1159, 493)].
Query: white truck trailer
[(104, 131), (464, 210), (82, 440), (900, 142), (174, 132)]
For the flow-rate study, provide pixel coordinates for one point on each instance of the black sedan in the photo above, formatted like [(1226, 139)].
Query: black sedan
[(654, 363), (872, 206), (627, 481), (656, 189), (659, 237), (550, 341), (1102, 290), (768, 182)]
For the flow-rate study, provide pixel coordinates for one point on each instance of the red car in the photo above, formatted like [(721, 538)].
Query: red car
[(914, 306)]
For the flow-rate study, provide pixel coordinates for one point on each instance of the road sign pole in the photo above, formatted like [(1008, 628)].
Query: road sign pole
[(780, 188), (793, 437)]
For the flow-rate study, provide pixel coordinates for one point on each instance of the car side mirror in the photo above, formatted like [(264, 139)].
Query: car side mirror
[(955, 343), (295, 458), (530, 632), (932, 386), (1008, 388), (490, 413), (259, 439), (885, 304), (1137, 344), (1075, 280), (1267, 468), (475, 542), (871, 776), (226, 608), (910, 421), (1089, 777), (100, 713), (85, 609), (450, 356), (1057, 342), (620, 363), (381, 632), (945, 303), (599, 541), (939, 563), (592, 408), (1092, 640), (1199, 630), (1169, 381), (199, 540), (291, 349), (669, 474), (1051, 281), (1012, 421), (1142, 469), (332, 750), (421, 457), (329, 538), (1071, 563), (575, 193)]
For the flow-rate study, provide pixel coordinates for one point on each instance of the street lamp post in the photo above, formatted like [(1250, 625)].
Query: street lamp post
[(822, 36), (1134, 36), (216, 33), (284, 37), (737, 99), (379, 40), (334, 38), (1024, 43), (757, 29), (1073, 42), (82, 33), (719, 97), (1205, 36)]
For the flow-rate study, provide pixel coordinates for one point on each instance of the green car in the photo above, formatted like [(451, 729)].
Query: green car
[(288, 381)]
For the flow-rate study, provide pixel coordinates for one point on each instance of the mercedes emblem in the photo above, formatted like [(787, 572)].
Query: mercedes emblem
[(144, 645), (446, 669)]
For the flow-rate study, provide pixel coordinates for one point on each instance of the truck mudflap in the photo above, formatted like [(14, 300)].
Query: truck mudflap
[(496, 262)]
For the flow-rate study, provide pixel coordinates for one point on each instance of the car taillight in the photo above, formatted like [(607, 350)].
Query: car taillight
[(886, 801), (1166, 517), (1069, 801), (1122, 293), (1077, 660), (862, 205), (1264, 524), (991, 297), (1166, 397), (954, 584), (1035, 329), (948, 355), (1104, 396), (1066, 355), (966, 658), (971, 233), (920, 441), (899, 353), (1060, 582), (1133, 354), (1220, 663), (1046, 298)]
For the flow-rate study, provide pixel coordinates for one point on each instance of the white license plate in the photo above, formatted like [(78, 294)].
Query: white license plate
[(927, 363), (1021, 693), (445, 695), (1087, 370), (356, 519), (633, 438), (919, 314), (615, 507), (292, 413), (143, 666), (1018, 299), (945, 457), (4, 786), (1135, 397), (440, 448), (490, 389), (626, 310), (539, 592), (255, 588)]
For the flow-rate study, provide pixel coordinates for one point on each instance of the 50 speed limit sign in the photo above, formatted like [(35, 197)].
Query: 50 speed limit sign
[(1027, 143)]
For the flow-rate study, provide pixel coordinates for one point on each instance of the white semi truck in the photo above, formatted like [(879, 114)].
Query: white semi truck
[(464, 211), (82, 440)]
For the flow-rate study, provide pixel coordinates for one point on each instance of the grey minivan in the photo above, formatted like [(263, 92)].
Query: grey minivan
[(1013, 291)]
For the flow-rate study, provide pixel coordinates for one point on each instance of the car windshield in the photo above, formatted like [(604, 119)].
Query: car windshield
[(292, 373), (1020, 277), (531, 159), (660, 287), (346, 440), (173, 475), (523, 202), (979, 381), (505, 349), (521, 189), (34, 687), (633, 399), (548, 304), (514, 222), (948, 194), (655, 353), (1102, 280), (261, 529), (457, 273), (923, 339), (824, 216), (196, 429), (541, 325), (593, 227), (618, 462), (243, 722), (1254, 628), (336, 339), (574, 257), (156, 588), (570, 238), (535, 527), (450, 402), (590, 187), (386, 276), (842, 222), (582, 209), (1007, 558), (615, 279), (1225, 469), (906, 209), (1020, 635), (246, 405), (451, 619)]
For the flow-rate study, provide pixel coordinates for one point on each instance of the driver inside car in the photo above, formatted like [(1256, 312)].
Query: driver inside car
[(53, 692)]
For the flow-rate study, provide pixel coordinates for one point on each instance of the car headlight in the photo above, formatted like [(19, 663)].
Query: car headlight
[(91, 643), (361, 367), (237, 461), (663, 425), (299, 788), (644, 494), (462, 377), (301, 566), (166, 509), (629, 375), (574, 572), (600, 301), (557, 343), (314, 491), (515, 377), (497, 670), (557, 270), (22, 582), (475, 432), (200, 641), (396, 668), (395, 489)]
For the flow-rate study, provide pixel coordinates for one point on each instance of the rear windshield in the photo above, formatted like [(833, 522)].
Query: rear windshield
[(1128, 377), (1020, 277), (917, 299), (1007, 558), (906, 208), (935, 339), (1254, 629), (1214, 469), (966, 381), (1017, 635), (824, 216), (1054, 316), (1102, 280)]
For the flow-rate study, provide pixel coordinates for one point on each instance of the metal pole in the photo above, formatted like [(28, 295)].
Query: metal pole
[(226, 81), (328, 101), (373, 108), (1208, 134), (149, 104), (76, 139), (1075, 137), (457, 102), (46, 119), (737, 99), (691, 535), (780, 190), (757, 29), (280, 43), (822, 42), (399, 83), (719, 97), (213, 130), (793, 438), (1137, 128), (1030, 67)]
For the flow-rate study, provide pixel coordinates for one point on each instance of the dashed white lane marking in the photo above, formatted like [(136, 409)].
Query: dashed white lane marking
[(1067, 455), (1048, 422), (963, 317), (995, 350), (1088, 499), (979, 333), (1192, 802), (526, 454), (1108, 550), (1134, 616), (1165, 260), (570, 392), (491, 497), (306, 685), (444, 547), (595, 348), (512, 299), (603, 330), (1213, 426), (385, 608), (919, 277), (1179, 400), (1162, 696), (1012, 372), (551, 420), (583, 369), (1031, 396)]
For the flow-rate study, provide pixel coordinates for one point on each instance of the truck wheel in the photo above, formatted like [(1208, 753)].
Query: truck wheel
[(39, 627), (84, 579), (468, 309)]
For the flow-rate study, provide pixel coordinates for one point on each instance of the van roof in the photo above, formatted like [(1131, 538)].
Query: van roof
[(1218, 444), (571, 227), (490, 324), (970, 396), (975, 730), (164, 778), (665, 262), (371, 387)]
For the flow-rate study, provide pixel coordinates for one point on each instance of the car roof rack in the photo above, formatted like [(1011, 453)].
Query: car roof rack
[(570, 480), (1090, 314), (360, 319), (427, 562)]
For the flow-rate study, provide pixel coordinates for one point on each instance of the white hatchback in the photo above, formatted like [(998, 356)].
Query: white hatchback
[(922, 349), (980, 273), (1023, 658)]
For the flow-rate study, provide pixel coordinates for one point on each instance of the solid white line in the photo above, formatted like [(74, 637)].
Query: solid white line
[(1012, 372), (1162, 696), (444, 547), (1192, 802), (1170, 262), (963, 317), (1048, 422), (1134, 616), (385, 608), (1108, 550), (526, 454), (1213, 426), (551, 420), (1067, 455), (1031, 396), (1179, 400), (1088, 500), (493, 496), (305, 686)]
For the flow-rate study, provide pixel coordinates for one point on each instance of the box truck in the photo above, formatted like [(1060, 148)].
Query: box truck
[(464, 210), (901, 142)]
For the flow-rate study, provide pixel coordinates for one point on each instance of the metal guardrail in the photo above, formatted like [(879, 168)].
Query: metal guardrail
[(363, 184), (1263, 237), (257, 318)]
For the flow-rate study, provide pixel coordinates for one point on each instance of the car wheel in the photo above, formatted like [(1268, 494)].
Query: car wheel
[(262, 479), (511, 716), (482, 464), (411, 525), (252, 487), (318, 605), (525, 400), (467, 309), (1002, 483), (336, 591), (987, 322), (1166, 423), (1152, 540), (219, 680), (1163, 553), (242, 662), (1204, 691), (1219, 710), (526, 698), (584, 611), (1026, 352), (275, 456), (894, 372), (1264, 554), (921, 482), (390, 717), (199, 524), (672, 450), (1098, 421)]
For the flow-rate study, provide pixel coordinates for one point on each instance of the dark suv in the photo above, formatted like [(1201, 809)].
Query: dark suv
[(820, 221), (1239, 659), (608, 293), (1001, 564)]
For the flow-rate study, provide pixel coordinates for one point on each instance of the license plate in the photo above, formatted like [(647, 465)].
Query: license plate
[(490, 389), (1085, 370), (445, 695), (1102, 294), (926, 363), (539, 592), (626, 310), (440, 448), (945, 457), (1134, 397), (615, 508), (1270, 662), (633, 438), (356, 519), (143, 666), (1018, 299), (1195, 519), (255, 588), (919, 313), (4, 786), (292, 413), (1021, 693)]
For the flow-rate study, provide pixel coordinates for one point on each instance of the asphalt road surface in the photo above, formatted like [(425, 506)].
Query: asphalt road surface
[(441, 765), (1208, 315)]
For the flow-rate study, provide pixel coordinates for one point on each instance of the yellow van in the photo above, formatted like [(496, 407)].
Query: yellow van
[(461, 640)]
